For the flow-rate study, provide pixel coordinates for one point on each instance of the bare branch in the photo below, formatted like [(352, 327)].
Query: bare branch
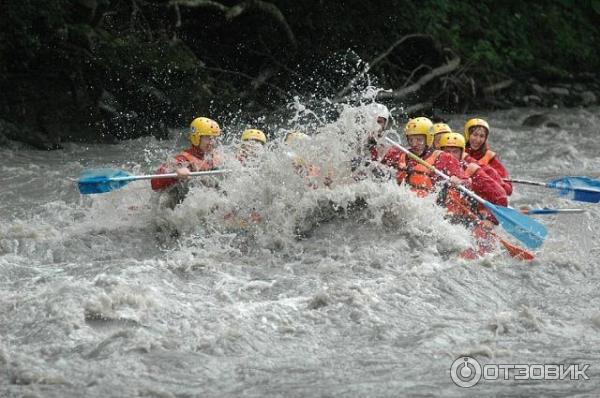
[(282, 93), (412, 74), (240, 8), (439, 71), (498, 86), (273, 10), (375, 61), (200, 3), (177, 15), (391, 48), (417, 107)]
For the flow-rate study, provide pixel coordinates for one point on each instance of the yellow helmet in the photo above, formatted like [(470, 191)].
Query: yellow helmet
[(420, 126), (439, 128), (295, 135), (452, 139), (203, 126), (475, 122), (254, 134)]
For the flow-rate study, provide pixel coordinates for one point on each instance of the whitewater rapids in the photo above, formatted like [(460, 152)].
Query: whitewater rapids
[(110, 295)]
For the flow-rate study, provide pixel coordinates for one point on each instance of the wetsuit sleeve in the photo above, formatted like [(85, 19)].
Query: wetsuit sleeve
[(160, 184), (497, 165), (489, 189), (374, 152), (391, 157), (450, 166)]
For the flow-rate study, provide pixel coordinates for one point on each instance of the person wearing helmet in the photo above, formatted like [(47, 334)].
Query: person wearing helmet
[(437, 130), (381, 114), (253, 141), (463, 209), (420, 140), (294, 135), (373, 148), (200, 156), (481, 182), (476, 132)]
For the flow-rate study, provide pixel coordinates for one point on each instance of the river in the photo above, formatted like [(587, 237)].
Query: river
[(111, 295)]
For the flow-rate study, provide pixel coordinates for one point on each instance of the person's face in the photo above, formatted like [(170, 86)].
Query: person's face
[(381, 122), (454, 151), (477, 137), (436, 140), (207, 143), (417, 143)]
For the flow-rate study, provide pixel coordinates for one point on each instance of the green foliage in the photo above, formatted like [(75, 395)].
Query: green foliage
[(556, 38), (27, 28), (62, 58)]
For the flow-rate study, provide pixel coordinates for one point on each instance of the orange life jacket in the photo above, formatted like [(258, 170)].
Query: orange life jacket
[(198, 164), (487, 158), (419, 177)]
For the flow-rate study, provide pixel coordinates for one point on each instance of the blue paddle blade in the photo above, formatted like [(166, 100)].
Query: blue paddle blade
[(530, 232), (101, 180), (583, 189)]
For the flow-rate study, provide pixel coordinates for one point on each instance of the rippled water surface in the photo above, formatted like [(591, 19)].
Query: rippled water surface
[(111, 295)]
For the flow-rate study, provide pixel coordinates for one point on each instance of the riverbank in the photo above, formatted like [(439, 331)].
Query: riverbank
[(108, 122), (103, 71)]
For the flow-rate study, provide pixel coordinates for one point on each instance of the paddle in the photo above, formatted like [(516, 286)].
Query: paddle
[(547, 210), (527, 230), (582, 189), (105, 180), (515, 251)]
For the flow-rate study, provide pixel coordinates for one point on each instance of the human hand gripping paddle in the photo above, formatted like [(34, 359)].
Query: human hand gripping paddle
[(528, 231), (582, 189), (106, 180)]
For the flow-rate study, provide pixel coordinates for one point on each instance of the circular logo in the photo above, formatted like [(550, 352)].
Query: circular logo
[(465, 372)]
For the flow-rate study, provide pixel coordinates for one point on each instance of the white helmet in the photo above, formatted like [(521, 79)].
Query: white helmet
[(380, 110)]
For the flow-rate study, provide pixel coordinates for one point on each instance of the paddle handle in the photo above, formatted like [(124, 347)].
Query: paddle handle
[(169, 175), (436, 171)]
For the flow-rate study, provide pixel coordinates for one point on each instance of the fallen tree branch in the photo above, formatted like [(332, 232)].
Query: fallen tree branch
[(240, 8), (281, 93), (437, 72), (201, 3), (412, 74), (498, 86), (177, 16), (375, 61), (418, 107)]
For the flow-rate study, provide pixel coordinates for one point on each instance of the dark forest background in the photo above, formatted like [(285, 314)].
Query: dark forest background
[(103, 70)]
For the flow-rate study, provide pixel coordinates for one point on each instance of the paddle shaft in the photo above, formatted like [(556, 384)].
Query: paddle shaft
[(514, 251), (526, 182), (436, 171), (170, 175), (552, 211), (543, 184)]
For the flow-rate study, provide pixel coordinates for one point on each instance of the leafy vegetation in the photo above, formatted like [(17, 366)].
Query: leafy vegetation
[(104, 69)]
